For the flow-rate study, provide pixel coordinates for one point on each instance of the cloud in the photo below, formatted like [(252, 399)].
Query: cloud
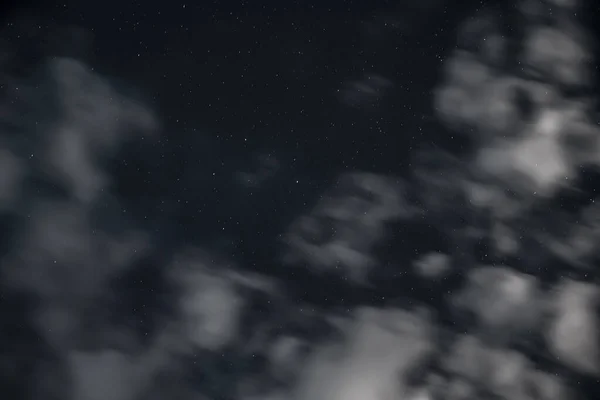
[(531, 132), (108, 373), (524, 146), (476, 368), (95, 119), (52, 182), (576, 243), (529, 136), (365, 92), (60, 255), (573, 335), (105, 375), (432, 265), (561, 55), (214, 296), (339, 233), (212, 306), (504, 302), (379, 348), (284, 356)]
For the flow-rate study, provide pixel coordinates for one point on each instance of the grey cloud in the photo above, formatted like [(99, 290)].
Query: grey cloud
[(574, 334), (380, 347), (212, 298), (560, 54), (512, 145), (504, 301), (529, 144), (577, 243), (63, 261), (537, 160), (339, 233), (111, 374), (480, 369), (95, 119), (59, 256), (105, 375), (433, 265), (213, 308), (285, 357)]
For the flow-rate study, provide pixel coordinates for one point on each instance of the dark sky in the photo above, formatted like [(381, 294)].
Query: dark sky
[(230, 80)]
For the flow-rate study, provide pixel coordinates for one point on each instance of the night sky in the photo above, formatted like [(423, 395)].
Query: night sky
[(262, 112), (230, 82)]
